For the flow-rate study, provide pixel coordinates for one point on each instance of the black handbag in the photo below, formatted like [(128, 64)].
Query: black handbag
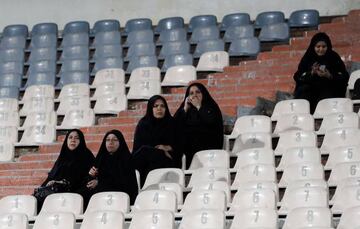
[(57, 187)]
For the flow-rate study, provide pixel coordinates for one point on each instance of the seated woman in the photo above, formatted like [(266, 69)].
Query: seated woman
[(113, 169), (154, 140), (321, 73), (70, 170), (199, 121)]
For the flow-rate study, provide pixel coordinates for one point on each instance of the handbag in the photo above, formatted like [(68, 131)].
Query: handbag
[(57, 187)]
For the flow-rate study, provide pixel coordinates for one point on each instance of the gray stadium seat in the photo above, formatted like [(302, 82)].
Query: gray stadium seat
[(202, 21), (238, 32), (41, 78), (110, 62), (209, 46), (40, 54), (179, 34), (11, 67), (7, 55), (236, 19), (105, 51), (106, 26), (304, 18), (179, 59), (141, 61), (141, 49), (44, 28), (76, 27), (43, 41), (42, 66), (268, 18), (75, 65), (175, 47), (73, 77), (75, 52), (275, 32), (9, 92), (137, 24), (11, 80), (139, 36), (13, 42), (245, 47), (169, 23), (73, 39), (15, 31), (204, 33), (107, 38)]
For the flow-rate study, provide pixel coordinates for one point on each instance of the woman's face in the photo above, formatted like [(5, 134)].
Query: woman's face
[(320, 48), (112, 143), (73, 140), (195, 94), (159, 109)]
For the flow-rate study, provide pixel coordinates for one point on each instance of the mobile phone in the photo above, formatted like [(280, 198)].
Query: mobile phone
[(322, 67)]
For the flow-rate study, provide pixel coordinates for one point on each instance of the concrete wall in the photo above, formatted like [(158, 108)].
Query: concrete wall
[(31, 12)]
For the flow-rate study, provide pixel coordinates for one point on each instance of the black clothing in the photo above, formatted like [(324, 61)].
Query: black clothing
[(115, 171), (199, 129), (313, 87), (151, 132)]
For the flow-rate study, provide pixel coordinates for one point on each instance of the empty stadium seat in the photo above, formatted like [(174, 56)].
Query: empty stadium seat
[(305, 197), (39, 54), (339, 120), (76, 27), (205, 200), (268, 18), (69, 103), (173, 48), (212, 45), (42, 66), (8, 134), (141, 61), (15, 31), (155, 200), (14, 221), (169, 23), (303, 122), (176, 60), (7, 152), (348, 197), (173, 187), (40, 119), (37, 91), (339, 137), (342, 154), (109, 88), (63, 202), (9, 104), (255, 172), (75, 65), (106, 26), (253, 198), (172, 35), (106, 51), (104, 220), (344, 171), (140, 49), (204, 33), (299, 155), (44, 28), (209, 175), (302, 171), (210, 158), (254, 156), (351, 181), (332, 105), (13, 43), (78, 118), (43, 41), (159, 219), (109, 201), (179, 75), (238, 32), (304, 18), (144, 89), (275, 32), (202, 21), (9, 118), (216, 185), (245, 47), (295, 138), (75, 52), (308, 217), (107, 38), (350, 218), (235, 19), (75, 89), (22, 204), (254, 185), (351, 83), (11, 80), (109, 75), (139, 36), (72, 39), (311, 183), (38, 134), (291, 106), (111, 104), (137, 24), (108, 62), (59, 220), (165, 175), (252, 140), (203, 219), (11, 67), (255, 218), (8, 55)]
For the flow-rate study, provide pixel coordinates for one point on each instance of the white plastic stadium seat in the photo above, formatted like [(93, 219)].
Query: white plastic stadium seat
[(9, 118), (109, 88), (109, 201), (73, 103), (253, 185), (39, 119), (109, 75), (254, 156), (299, 155), (63, 202), (302, 171), (344, 171), (350, 218), (288, 122), (210, 158), (308, 217), (203, 219), (58, 220), (37, 135), (209, 175), (291, 106), (255, 172), (173, 187), (205, 200), (217, 185), (347, 197), (342, 154), (110, 104), (9, 134), (252, 140), (23, 204), (213, 61), (45, 91), (165, 175), (7, 151), (37, 104), (75, 89), (180, 75), (339, 120), (253, 198), (155, 200), (8, 104), (255, 218), (14, 221), (295, 138), (103, 220), (153, 219), (339, 137), (333, 105), (78, 118)]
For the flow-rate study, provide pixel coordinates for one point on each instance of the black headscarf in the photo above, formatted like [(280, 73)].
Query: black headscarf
[(153, 131), (72, 165), (331, 59), (116, 172)]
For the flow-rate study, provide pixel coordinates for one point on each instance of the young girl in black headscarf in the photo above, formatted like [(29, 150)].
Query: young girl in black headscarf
[(200, 122), (113, 169), (155, 138), (72, 165), (321, 73)]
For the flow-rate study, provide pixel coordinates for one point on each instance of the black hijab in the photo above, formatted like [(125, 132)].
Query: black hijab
[(116, 172), (152, 131), (331, 59), (72, 165)]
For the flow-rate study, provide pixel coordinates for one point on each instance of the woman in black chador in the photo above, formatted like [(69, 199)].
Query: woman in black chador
[(72, 165), (155, 139), (321, 73), (199, 121), (113, 170)]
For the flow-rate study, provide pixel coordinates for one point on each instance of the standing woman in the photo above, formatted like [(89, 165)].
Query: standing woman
[(70, 171), (321, 73), (200, 122), (155, 138), (113, 171)]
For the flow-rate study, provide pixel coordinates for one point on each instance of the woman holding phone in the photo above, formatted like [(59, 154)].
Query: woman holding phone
[(199, 122), (321, 73)]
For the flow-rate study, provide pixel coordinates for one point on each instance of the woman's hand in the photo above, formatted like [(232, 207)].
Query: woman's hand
[(315, 68), (324, 73), (92, 184), (187, 104), (166, 149), (93, 172), (50, 183)]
